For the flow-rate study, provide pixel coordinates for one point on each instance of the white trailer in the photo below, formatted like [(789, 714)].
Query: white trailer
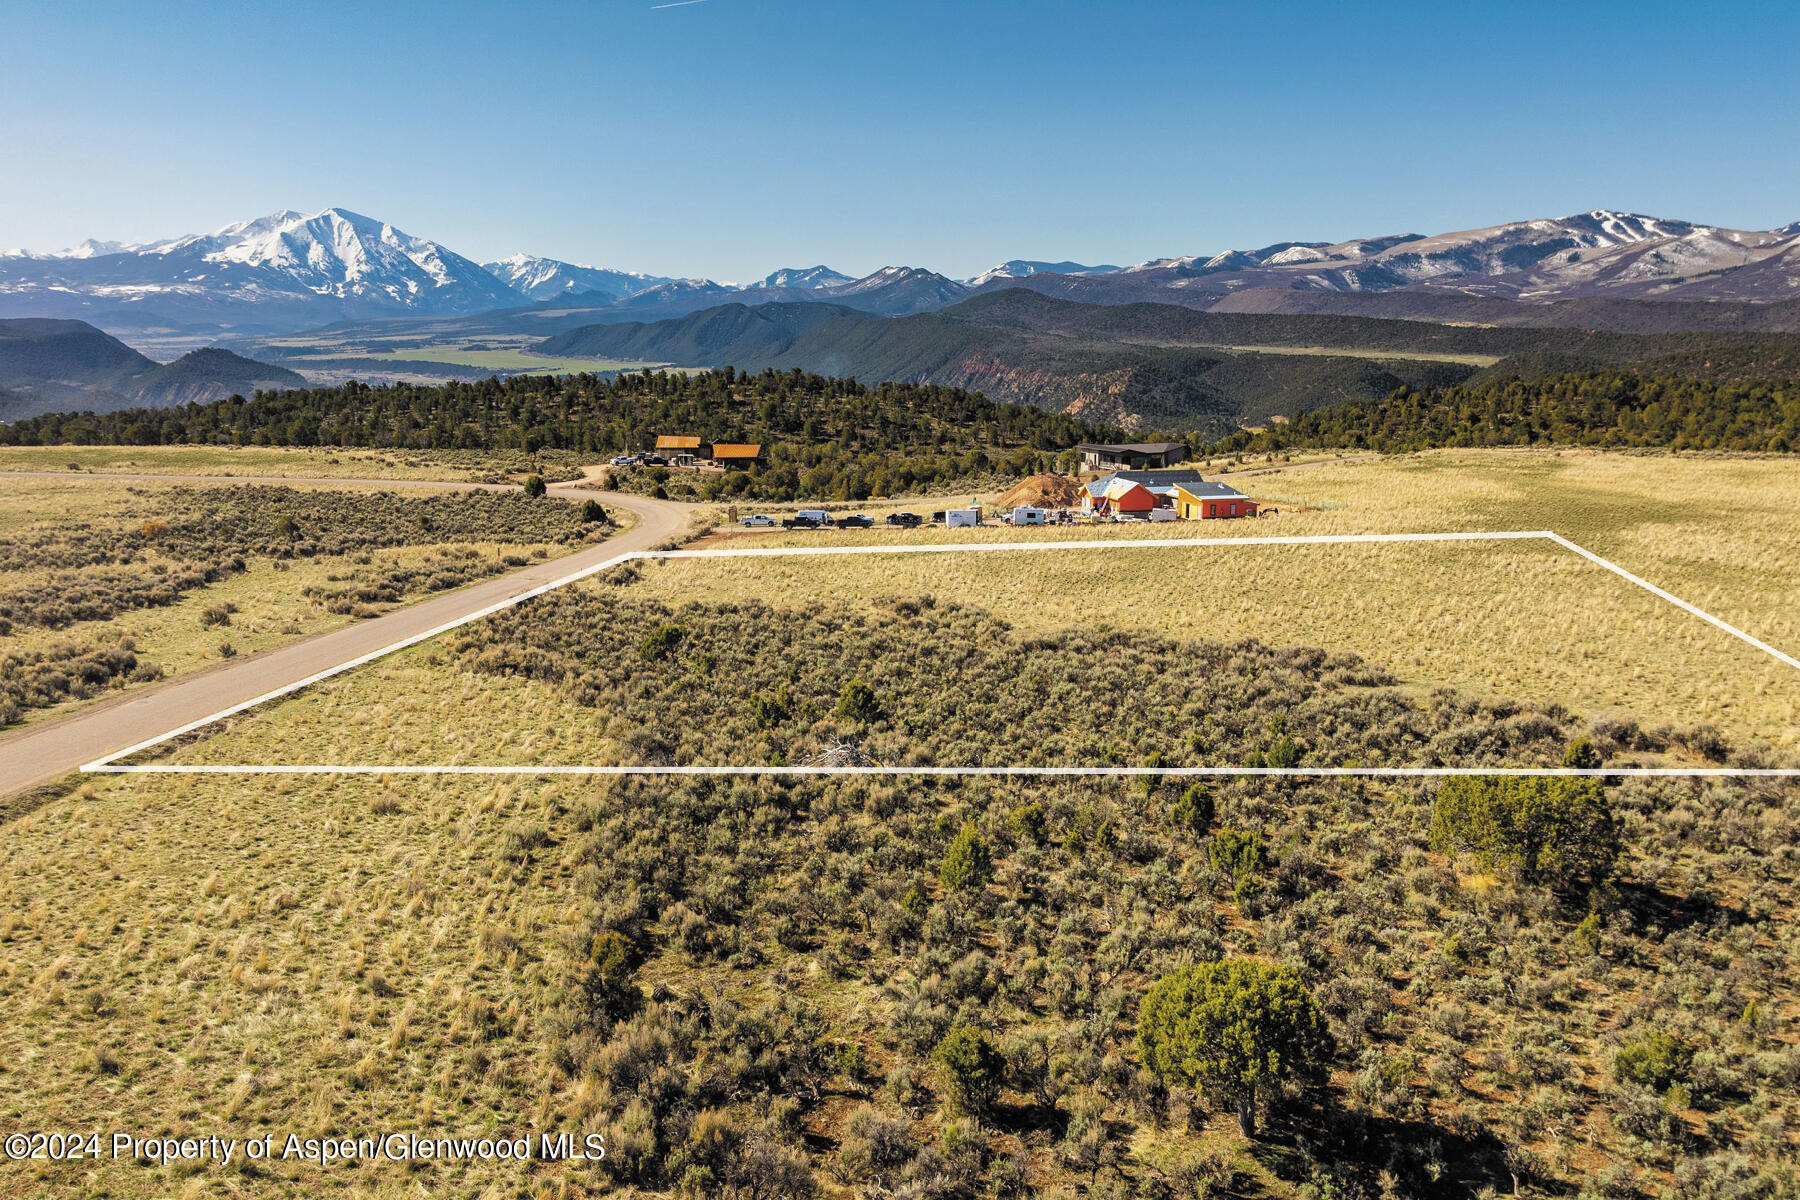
[(955, 518), (1025, 514)]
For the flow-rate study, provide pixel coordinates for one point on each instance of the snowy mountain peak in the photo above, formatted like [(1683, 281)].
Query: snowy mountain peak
[(1021, 268), (551, 279), (803, 277)]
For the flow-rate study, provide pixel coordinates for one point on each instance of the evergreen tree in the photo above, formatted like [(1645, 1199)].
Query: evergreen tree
[(969, 863), (1545, 830), (1237, 1029), (970, 1071)]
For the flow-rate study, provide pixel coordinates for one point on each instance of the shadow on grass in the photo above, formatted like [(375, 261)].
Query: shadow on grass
[(1353, 1150), (1650, 906)]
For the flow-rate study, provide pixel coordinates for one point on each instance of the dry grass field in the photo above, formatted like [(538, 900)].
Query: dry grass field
[(1524, 619), (341, 956), (317, 956), (271, 600), (349, 956), (266, 462)]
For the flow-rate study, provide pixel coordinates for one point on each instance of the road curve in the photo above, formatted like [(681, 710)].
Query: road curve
[(40, 752)]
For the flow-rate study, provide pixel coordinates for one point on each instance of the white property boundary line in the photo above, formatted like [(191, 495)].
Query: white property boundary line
[(109, 764)]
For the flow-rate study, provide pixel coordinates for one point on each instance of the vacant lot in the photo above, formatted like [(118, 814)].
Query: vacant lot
[(1525, 619), (325, 956)]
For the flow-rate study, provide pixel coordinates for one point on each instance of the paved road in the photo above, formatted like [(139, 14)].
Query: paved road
[(43, 751)]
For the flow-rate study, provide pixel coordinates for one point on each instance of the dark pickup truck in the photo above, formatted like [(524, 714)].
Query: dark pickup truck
[(856, 521), (905, 520), (810, 518)]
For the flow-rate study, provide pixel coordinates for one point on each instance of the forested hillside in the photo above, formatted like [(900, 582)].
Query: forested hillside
[(823, 438), (1591, 408), (1161, 366)]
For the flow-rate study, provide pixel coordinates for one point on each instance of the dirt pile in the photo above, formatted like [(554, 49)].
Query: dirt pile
[(1041, 491)]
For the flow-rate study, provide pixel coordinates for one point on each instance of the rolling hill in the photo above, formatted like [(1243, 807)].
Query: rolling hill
[(54, 366), (1157, 366)]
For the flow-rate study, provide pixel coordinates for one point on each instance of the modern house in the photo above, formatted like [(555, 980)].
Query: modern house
[(1134, 456), (736, 455), (1207, 501), (1184, 493), (1160, 484)]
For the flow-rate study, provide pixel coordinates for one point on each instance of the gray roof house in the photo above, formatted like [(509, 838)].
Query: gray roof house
[(1132, 455)]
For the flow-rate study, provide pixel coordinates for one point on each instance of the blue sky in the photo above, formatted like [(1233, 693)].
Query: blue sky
[(731, 137)]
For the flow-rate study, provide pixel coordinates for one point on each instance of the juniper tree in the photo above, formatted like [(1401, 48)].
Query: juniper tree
[(1239, 1029)]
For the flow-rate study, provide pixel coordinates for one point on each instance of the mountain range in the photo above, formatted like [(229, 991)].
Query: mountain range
[(290, 271)]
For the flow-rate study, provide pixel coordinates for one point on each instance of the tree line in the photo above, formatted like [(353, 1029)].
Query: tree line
[(1588, 408), (585, 413)]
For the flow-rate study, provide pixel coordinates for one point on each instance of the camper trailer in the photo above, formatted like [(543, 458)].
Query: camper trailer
[(1025, 514)]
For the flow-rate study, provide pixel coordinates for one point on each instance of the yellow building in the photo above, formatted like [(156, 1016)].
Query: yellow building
[(1207, 501)]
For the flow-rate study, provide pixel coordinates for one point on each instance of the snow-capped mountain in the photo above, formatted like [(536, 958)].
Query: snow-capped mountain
[(550, 279), (1020, 268), (802, 278), (895, 291), (1600, 252), (277, 269), (290, 271)]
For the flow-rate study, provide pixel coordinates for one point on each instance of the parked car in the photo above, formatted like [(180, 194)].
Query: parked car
[(655, 460), (856, 521), (624, 460), (758, 521), (808, 518), (905, 520)]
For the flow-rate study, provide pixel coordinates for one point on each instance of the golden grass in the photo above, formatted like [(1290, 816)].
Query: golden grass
[(270, 600), (203, 955), (311, 956), (250, 461), (1521, 619)]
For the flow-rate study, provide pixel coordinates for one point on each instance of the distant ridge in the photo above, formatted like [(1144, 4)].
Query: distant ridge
[(63, 366), (1019, 268), (1158, 366)]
